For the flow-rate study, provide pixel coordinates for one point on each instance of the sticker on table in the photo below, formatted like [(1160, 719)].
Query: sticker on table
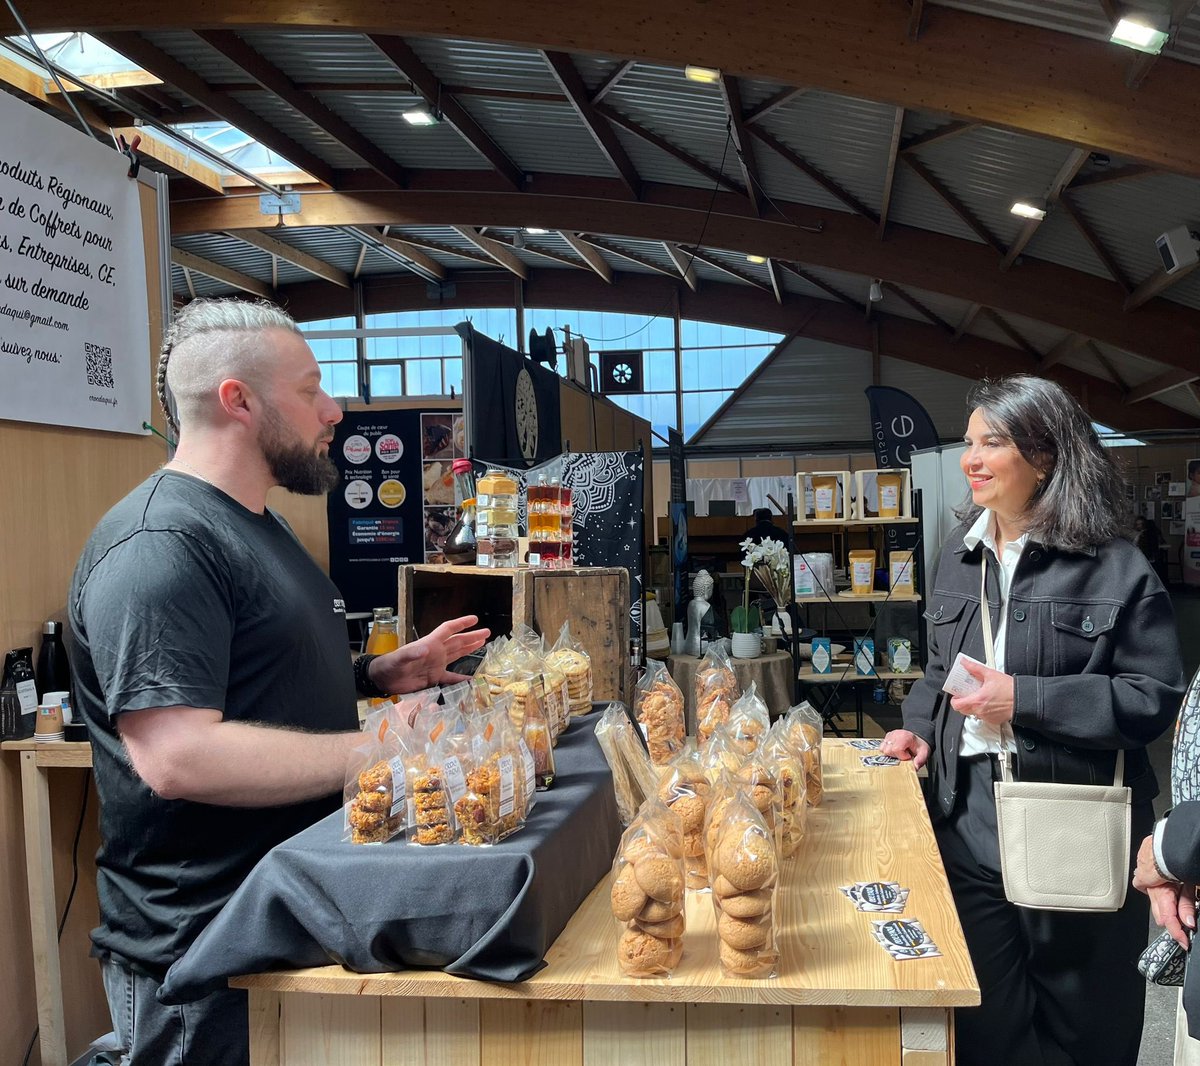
[(866, 745), (876, 896), (904, 938), (880, 760)]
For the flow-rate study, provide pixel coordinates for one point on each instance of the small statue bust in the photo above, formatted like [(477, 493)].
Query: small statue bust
[(702, 589)]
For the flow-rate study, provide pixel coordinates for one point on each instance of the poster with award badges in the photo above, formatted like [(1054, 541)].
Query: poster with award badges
[(395, 501)]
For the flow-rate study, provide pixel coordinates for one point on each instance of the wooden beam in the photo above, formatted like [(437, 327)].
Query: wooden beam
[(633, 257), (1093, 239), (953, 202), (413, 258), (776, 281), (535, 249), (499, 252), (682, 263), (1108, 365), (217, 272), (1072, 300), (1156, 284), (733, 272), (1107, 175), (187, 280), (939, 133), (1164, 382), (664, 145), (965, 63), (824, 286), (773, 103), (1066, 174), (136, 48), (610, 82), (920, 308), (1070, 344), (567, 76), (889, 174), (288, 254), (731, 96), (806, 168), (968, 318), (915, 15), (405, 60), (240, 54), (1014, 335), (589, 254), (119, 79)]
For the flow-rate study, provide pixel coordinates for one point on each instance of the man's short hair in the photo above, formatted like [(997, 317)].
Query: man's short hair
[(762, 514), (211, 340)]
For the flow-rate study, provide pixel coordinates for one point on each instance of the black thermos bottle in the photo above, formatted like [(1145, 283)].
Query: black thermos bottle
[(53, 670)]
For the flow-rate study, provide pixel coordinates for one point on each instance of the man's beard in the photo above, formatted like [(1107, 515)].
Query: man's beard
[(294, 464)]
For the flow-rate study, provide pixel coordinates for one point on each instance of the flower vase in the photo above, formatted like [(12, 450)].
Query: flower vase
[(747, 645)]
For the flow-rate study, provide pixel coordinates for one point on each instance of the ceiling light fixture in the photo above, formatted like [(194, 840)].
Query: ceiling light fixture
[(536, 231), (704, 75), (1132, 33), (876, 291), (756, 259), (1028, 209), (419, 116)]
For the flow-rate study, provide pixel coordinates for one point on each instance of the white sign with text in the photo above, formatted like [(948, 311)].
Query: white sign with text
[(74, 336)]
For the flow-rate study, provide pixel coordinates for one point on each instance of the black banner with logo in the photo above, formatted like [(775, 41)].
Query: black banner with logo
[(395, 502), (899, 425), (678, 513), (513, 408)]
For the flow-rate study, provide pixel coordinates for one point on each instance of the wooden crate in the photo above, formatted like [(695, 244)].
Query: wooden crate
[(594, 599)]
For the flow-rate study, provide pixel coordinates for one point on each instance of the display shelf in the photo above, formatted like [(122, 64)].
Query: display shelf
[(847, 674), (868, 597), (851, 523)]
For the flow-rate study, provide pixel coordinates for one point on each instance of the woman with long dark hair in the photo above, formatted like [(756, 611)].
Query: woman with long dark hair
[(1086, 664)]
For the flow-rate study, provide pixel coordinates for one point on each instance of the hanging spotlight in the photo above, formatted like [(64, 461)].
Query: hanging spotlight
[(875, 295), (419, 116), (704, 75)]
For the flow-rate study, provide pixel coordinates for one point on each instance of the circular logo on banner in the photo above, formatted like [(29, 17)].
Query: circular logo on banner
[(389, 448), (356, 449), (527, 415), (359, 494), (391, 493)]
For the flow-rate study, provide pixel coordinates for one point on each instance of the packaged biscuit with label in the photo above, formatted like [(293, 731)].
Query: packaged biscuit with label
[(658, 704), (685, 789), (374, 806), (569, 656), (634, 778), (717, 690), (647, 893)]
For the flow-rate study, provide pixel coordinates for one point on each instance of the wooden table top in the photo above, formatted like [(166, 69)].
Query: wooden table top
[(871, 826)]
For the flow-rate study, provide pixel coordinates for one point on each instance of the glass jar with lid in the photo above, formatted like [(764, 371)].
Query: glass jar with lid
[(496, 528)]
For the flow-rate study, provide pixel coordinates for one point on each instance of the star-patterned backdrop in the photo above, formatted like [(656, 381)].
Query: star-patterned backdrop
[(606, 493)]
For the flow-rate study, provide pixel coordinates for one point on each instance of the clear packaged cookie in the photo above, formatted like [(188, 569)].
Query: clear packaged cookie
[(717, 690), (685, 789), (658, 704)]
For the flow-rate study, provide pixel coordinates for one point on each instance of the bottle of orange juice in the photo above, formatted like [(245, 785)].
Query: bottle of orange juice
[(385, 637)]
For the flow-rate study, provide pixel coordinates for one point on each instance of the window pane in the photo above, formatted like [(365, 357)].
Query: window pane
[(698, 407), (662, 412), (425, 378), (659, 371), (327, 323), (345, 379), (454, 376), (385, 380)]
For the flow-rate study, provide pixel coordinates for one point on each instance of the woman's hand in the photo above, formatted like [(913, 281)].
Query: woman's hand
[(422, 663), (904, 745), (993, 703), (1173, 904)]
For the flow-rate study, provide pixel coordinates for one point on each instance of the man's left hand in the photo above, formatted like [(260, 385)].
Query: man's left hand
[(422, 663)]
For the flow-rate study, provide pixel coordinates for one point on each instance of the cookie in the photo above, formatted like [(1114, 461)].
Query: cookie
[(627, 897), (657, 911), (379, 802), (659, 877), (747, 904), (743, 933), (746, 860), (746, 963), (668, 930), (691, 813), (640, 954)]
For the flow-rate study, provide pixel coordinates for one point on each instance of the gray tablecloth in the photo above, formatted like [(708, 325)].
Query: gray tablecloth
[(488, 913)]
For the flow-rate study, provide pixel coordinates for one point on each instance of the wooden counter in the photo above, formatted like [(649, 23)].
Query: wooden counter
[(839, 996)]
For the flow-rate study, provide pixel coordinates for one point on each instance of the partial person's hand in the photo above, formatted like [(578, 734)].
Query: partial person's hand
[(993, 703), (422, 663), (1173, 904), (904, 745)]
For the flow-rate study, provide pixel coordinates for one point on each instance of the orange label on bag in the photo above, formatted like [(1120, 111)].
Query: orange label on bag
[(437, 731), (383, 728), (487, 733)]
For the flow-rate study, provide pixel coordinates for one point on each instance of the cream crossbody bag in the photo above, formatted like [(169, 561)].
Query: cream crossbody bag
[(1062, 847)]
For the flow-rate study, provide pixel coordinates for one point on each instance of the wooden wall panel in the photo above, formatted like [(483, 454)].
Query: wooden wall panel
[(58, 483)]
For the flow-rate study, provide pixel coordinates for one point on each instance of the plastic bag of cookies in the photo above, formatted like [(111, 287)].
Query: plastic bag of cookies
[(554, 681), (568, 656), (717, 690), (658, 703), (788, 767), (745, 872), (804, 731), (374, 803), (758, 782), (685, 788), (647, 893), (749, 721), (634, 779), (721, 752), (435, 775)]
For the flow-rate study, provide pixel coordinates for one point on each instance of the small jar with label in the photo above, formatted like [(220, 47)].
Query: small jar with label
[(496, 528)]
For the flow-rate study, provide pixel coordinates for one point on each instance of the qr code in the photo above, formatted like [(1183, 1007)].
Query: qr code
[(99, 365)]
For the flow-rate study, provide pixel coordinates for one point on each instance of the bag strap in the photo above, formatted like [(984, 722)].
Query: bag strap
[(989, 651)]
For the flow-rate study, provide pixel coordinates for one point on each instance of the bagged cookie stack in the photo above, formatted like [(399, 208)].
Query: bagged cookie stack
[(685, 789), (804, 728), (634, 779), (745, 871), (786, 763), (716, 691), (648, 892), (568, 656), (658, 703)]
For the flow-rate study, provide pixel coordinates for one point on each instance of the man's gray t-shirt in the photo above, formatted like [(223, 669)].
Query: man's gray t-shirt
[(183, 597)]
